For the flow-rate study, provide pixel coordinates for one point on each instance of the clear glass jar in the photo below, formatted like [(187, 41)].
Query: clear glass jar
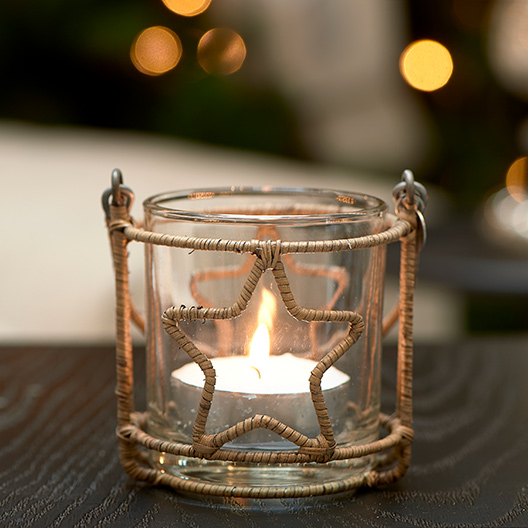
[(249, 384)]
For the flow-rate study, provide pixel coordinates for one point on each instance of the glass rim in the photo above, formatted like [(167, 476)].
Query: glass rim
[(365, 205)]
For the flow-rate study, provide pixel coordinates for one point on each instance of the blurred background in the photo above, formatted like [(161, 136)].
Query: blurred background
[(319, 93)]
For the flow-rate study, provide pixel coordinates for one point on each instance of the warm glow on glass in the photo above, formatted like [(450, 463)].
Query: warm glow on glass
[(426, 65), (156, 50), (221, 51), (201, 195), (187, 8), (517, 179)]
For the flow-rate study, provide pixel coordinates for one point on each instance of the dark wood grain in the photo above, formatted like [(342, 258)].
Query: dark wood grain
[(59, 466)]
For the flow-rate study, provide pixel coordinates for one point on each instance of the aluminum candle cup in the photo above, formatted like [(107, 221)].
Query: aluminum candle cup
[(261, 357)]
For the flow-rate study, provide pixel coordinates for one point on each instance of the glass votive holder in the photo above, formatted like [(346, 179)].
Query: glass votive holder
[(263, 327)]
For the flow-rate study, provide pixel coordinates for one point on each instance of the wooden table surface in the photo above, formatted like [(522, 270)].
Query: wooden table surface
[(59, 465)]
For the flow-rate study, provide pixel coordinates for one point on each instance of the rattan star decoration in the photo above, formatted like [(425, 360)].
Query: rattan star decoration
[(267, 258)]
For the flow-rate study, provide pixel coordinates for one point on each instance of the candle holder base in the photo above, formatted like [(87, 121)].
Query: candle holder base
[(161, 462), (262, 478)]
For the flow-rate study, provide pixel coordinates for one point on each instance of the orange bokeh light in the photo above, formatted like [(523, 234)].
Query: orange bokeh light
[(156, 50), (188, 8), (426, 65), (221, 51), (517, 178)]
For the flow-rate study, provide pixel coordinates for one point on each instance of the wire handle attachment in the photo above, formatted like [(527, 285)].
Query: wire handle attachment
[(119, 194), (410, 194)]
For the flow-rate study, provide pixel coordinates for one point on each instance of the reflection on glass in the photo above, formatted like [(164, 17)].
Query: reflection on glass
[(426, 65), (156, 50), (221, 51), (187, 8)]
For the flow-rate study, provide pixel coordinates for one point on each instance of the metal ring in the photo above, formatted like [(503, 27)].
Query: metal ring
[(410, 190), (408, 178), (119, 193), (117, 182)]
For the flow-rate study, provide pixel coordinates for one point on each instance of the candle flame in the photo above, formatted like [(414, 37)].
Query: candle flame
[(259, 350), (260, 345), (267, 309)]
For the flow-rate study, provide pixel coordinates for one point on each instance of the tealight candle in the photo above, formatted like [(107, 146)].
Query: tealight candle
[(275, 385)]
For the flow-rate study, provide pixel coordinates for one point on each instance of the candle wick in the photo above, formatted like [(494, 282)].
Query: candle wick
[(258, 372)]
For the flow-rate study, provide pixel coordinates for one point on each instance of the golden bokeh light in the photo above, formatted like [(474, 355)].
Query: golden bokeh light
[(221, 51), (517, 179), (426, 65), (188, 8), (156, 50)]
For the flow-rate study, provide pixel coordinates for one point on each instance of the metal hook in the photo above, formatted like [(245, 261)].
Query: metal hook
[(117, 182), (410, 190), (408, 178), (120, 194), (413, 193)]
